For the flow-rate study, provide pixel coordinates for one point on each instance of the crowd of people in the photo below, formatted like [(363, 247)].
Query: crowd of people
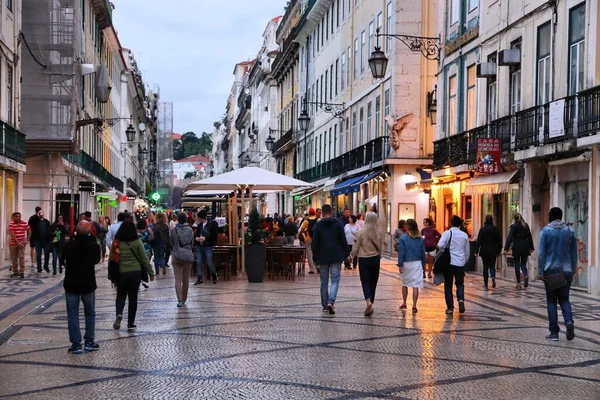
[(354, 241)]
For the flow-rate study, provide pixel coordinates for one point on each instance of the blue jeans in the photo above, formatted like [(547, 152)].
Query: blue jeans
[(560, 296), (159, 256), (520, 265), (326, 296), (489, 268), (456, 274), (89, 309), (204, 253), (55, 257), (39, 247)]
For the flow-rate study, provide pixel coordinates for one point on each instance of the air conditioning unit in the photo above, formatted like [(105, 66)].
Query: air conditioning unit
[(486, 70), (509, 57)]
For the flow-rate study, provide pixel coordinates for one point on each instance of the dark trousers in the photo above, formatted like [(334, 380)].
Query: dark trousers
[(354, 260), (520, 265), (39, 248), (368, 268), (128, 286), (560, 296), (489, 268), (456, 274)]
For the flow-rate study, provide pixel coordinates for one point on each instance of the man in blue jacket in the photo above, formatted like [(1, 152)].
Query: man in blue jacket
[(558, 255), (330, 249)]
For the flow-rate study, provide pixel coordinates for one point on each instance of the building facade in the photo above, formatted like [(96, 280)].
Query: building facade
[(84, 111), (529, 81)]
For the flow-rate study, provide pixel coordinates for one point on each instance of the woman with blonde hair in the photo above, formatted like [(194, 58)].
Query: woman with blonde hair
[(411, 261), (368, 247)]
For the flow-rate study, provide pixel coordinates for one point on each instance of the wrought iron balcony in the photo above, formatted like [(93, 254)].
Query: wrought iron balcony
[(589, 111), (88, 163), (440, 153), (315, 173), (287, 138), (12, 143), (362, 156)]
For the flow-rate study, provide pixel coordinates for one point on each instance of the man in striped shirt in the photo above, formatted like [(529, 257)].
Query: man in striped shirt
[(19, 236)]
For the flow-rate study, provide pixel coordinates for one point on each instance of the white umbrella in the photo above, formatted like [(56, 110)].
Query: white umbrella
[(249, 177)]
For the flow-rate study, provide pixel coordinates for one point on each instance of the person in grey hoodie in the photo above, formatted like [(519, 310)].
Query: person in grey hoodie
[(558, 253), (329, 250)]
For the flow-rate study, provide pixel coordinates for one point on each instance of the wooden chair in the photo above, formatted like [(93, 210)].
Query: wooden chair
[(283, 262), (222, 259)]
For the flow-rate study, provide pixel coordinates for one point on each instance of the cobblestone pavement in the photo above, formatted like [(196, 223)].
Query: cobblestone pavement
[(271, 340)]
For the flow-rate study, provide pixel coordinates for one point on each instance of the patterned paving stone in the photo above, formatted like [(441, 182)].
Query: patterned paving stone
[(234, 340)]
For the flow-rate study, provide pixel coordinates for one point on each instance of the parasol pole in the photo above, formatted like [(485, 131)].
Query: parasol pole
[(243, 230)]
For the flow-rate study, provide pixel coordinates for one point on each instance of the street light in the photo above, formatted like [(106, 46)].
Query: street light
[(378, 62), (270, 142), (303, 120), (130, 132), (144, 154)]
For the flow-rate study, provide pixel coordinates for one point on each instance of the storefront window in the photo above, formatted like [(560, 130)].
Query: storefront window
[(576, 217)]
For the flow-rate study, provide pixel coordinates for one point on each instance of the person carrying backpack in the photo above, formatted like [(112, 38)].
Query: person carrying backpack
[(307, 231)]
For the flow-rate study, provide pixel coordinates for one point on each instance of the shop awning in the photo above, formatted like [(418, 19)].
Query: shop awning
[(365, 179), (310, 194), (330, 184), (490, 184), (346, 186)]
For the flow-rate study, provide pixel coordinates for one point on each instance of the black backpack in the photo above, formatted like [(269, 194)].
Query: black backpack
[(311, 225)]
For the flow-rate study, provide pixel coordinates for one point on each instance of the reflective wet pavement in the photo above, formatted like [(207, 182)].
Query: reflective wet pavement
[(271, 340)]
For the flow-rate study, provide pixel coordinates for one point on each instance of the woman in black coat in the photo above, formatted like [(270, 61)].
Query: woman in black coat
[(488, 247), (522, 246)]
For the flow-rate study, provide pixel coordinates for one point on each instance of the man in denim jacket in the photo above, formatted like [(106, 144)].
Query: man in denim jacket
[(558, 251)]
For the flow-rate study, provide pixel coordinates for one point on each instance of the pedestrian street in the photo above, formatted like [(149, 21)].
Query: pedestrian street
[(272, 341)]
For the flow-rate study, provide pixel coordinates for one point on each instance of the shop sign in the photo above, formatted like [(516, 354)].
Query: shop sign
[(488, 155)]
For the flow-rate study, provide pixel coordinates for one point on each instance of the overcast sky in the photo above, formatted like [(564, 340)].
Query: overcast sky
[(190, 47)]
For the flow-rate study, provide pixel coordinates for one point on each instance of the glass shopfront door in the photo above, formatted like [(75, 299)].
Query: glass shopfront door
[(576, 217)]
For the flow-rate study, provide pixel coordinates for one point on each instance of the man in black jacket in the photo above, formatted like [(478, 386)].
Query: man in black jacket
[(32, 220), (42, 239), (330, 249), (80, 257), (205, 239)]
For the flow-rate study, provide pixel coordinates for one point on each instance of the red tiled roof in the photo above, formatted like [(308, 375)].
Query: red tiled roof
[(177, 136), (198, 158), (276, 19), (199, 167)]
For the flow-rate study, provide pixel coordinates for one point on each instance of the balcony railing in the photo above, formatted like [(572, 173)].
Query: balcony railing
[(503, 129), (315, 173), (362, 156), (440, 153), (589, 112), (282, 141), (12, 143), (88, 163)]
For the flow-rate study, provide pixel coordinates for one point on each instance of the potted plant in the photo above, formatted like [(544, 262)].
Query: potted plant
[(256, 251)]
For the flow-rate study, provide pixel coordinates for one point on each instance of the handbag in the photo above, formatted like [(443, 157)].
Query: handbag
[(441, 262), (114, 262), (181, 253), (145, 276)]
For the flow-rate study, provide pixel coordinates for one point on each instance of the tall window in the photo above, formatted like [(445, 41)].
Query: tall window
[(327, 26), (363, 39), (321, 90), (343, 9), (491, 92), (471, 97), (355, 58), (331, 81), (332, 23), (348, 64), (354, 139), (337, 13), (452, 105), (322, 33), (576, 48), (328, 154), (335, 131), (343, 80), (317, 97), (337, 74), (326, 85), (515, 82), (318, 35), (473, 4), (388, 28), (386, 102), (344, 145), (454, 4), (324, 148), (369, 119), (371, 33), (380, 22), (9, 5), (543, 64), (377, 115), (361, 128), (9, 93)]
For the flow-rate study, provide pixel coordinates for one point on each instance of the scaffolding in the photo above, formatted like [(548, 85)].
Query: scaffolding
[(48, 106), (166, 179)]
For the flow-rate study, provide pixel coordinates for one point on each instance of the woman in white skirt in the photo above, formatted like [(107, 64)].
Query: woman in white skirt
[(411, 260)]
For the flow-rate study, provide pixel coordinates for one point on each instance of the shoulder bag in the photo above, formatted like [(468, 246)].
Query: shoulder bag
[(441, 262), (555, 278), (181, 253), (145, 277), (114, 262)]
